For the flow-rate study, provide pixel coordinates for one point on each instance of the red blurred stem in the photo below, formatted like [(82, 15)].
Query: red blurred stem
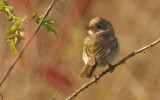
[(69, 21)]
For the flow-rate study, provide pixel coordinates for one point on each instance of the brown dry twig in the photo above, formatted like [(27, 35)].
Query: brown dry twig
[(6, 74), (96, 78), (56, 95)]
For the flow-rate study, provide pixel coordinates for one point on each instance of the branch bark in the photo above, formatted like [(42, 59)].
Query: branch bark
[(96, 78), (27, 43), (55, 96)]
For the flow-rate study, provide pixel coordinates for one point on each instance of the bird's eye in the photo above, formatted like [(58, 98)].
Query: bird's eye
[(99, 26)]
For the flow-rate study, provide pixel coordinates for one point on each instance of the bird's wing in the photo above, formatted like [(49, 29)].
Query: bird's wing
[(99, 48), (106, 49)]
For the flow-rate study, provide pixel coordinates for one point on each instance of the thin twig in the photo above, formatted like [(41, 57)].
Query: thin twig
[(54, 98), (95, 79), (27, 43)]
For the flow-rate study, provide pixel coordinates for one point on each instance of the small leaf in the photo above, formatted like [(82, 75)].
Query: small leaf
[(13, 49), (34, 15), (51, 29), (18, 21), (1, 8), (46, 23), (40, 17), (49, 21), (11, 10), (11, 19), (12, 29), (5, 2), (6, 11), (21, 33), (9, 38), (17, 40)]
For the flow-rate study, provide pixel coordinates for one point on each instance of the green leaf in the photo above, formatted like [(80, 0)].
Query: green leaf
[(9, 38), (18, 21), (17, 40), (47, 24), (1, 8), (21, 33), (6, 11), (5, 2), (11, 10), (11, 19), (39, 19), (49, 21), (13, 48), (51, 29), (34, 15), (13, 29)]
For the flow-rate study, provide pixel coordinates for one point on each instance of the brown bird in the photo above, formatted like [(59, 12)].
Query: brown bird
[(101, 47)]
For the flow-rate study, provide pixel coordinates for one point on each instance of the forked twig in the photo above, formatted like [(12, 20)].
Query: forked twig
[(6, 74), (96, 78)]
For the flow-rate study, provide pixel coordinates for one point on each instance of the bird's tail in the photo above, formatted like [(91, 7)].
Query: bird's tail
[(88, 70)]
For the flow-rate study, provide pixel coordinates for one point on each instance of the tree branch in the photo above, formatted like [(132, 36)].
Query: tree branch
[(27, 43), (95, 79), (56, 94)]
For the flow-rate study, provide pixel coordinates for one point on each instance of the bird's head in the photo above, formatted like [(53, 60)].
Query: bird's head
[(99, 24)]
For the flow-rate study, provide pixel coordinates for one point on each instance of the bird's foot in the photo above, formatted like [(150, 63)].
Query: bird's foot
[(111, 68)]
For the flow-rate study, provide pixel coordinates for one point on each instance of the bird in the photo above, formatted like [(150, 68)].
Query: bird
[(101, 47)]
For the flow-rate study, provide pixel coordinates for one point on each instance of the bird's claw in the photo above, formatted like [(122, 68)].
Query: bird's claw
[(111, 68)]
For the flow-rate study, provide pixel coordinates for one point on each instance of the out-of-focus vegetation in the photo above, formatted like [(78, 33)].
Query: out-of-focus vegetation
[(16, 32), (55, 62)]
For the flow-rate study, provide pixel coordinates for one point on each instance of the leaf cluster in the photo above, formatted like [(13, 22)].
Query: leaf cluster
[(15, 33), (46, 23)]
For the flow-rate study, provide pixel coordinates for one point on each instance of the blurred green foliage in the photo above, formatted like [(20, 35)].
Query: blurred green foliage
[(46, 23), (16, 32)]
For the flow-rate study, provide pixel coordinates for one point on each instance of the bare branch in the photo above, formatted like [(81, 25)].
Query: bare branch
[(54, 98), (27, 43), (95, 79)]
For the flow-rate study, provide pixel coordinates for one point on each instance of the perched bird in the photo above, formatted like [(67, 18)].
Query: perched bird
[(101, 47)]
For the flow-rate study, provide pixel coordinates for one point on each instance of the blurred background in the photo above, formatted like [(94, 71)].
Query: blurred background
[(53, 62)]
